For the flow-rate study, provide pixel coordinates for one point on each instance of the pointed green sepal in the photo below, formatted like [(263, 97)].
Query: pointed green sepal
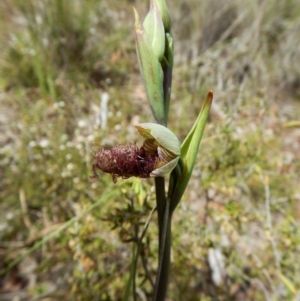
[(165, 169)]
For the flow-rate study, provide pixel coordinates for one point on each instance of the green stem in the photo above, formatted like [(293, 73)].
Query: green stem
[(160, 201), (161, 284), (167, 83), (163, 205), (174, 178), (131, 280)]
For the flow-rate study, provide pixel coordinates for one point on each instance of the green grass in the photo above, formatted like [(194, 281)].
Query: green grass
[(74, 234)]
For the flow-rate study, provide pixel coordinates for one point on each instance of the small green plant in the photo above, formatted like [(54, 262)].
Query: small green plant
[(161, 154)]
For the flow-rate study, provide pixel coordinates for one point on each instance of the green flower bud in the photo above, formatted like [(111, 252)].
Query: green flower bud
[(161, 141), (164, 12), (151, 71), (154, 28)]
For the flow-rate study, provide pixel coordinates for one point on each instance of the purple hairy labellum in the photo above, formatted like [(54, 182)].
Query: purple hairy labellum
[(125, 160)]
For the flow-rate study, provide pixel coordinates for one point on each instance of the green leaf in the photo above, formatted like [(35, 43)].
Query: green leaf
[(189, 150)]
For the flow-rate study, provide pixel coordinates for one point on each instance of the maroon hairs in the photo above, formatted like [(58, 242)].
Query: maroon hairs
[(124, 160)]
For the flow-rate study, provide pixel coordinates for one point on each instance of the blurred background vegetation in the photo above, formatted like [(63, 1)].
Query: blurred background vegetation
[(69, 82)]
